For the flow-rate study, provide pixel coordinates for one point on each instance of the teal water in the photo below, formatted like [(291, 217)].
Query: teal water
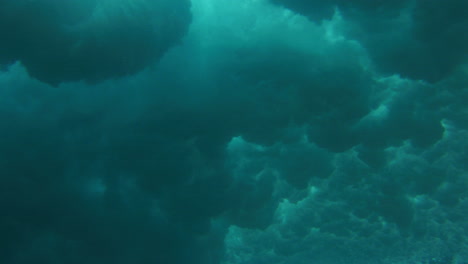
[(234, 132)]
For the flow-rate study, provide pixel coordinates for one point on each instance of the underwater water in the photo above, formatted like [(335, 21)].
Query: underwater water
[(234, 131)]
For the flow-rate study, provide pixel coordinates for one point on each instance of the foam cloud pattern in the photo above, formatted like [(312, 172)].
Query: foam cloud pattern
[(90, 40), (267, 135), (421, 40)]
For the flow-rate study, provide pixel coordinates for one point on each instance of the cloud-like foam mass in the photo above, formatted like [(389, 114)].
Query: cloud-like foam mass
[(421, 40), (268, 135), (90, 40)]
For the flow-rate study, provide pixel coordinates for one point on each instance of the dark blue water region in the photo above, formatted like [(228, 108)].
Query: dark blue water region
[(233, 132)]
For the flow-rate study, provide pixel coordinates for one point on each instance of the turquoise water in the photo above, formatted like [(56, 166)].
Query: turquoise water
[(234, 132)]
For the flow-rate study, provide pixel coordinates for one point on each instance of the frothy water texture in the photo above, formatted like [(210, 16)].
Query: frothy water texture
[(234, 131)]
